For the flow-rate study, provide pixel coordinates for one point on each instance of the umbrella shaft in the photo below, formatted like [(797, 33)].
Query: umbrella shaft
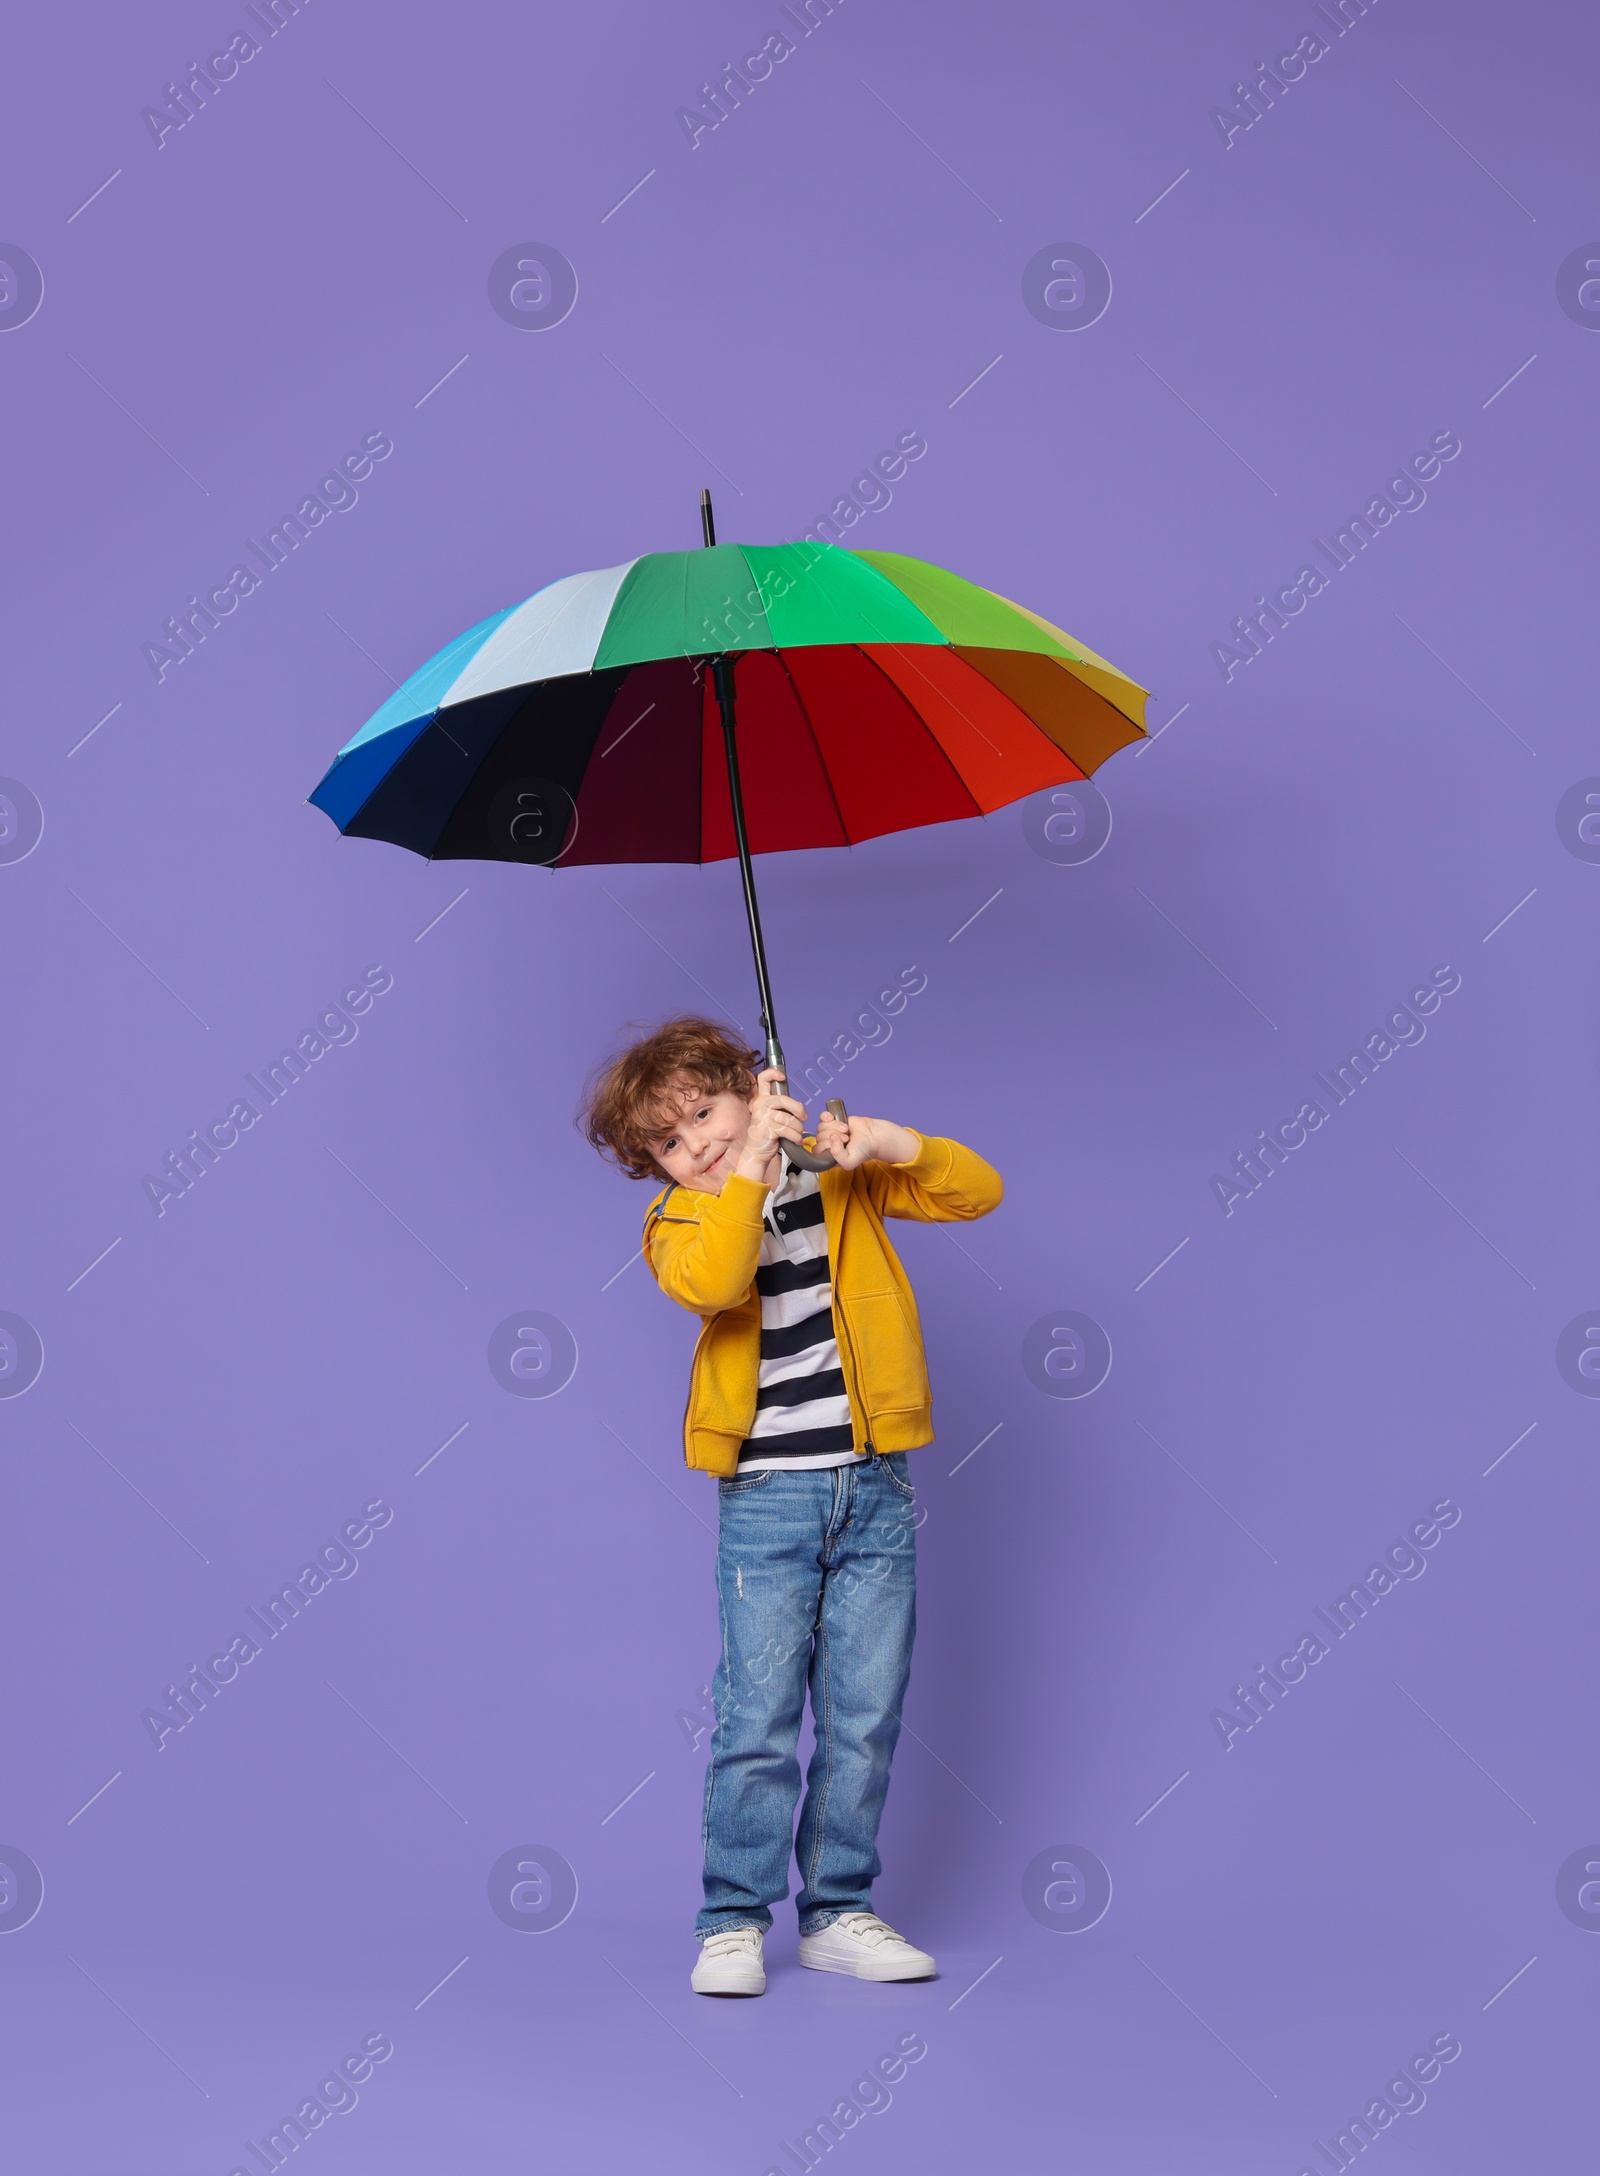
[(722, 680)]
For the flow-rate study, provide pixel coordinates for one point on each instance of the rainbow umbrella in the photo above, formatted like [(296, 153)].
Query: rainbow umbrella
[(853, 693)]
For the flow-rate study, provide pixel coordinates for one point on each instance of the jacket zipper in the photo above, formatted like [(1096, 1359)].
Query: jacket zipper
[(843, 1339)]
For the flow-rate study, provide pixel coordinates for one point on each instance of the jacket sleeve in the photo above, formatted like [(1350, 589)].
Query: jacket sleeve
[(708, 1262), (944, 1183)]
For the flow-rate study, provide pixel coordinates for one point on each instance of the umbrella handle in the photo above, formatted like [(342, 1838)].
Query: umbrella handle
[(806, 1159)]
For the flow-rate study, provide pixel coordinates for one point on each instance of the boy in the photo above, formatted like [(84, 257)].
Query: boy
[(807, 1388)]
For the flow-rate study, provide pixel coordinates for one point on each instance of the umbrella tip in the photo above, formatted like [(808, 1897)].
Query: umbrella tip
[(708, 525)]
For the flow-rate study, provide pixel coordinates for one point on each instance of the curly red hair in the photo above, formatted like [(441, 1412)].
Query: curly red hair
[(636, 1094)]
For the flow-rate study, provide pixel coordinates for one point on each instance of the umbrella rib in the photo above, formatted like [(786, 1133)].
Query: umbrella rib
[(827, 775), (1038, 725), (904, 649), (539, 640), (1022, 710), (977, 806)]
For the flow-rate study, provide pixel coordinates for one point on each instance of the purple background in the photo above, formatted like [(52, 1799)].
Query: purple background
[(1371, 798)]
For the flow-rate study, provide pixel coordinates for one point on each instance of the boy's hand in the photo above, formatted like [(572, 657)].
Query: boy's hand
[(772, 1119), (855, 1140)]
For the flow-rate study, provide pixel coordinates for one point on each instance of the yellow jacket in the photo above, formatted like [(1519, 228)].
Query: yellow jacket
[(704, 1250)]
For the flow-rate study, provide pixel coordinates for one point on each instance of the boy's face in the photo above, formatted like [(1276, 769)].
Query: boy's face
[(702, 1141)]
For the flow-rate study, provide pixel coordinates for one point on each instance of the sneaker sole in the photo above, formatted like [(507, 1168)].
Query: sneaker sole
[(755, 1987), (854, 1972)]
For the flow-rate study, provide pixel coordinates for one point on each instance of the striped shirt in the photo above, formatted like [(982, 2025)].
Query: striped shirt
[(802, 1412)]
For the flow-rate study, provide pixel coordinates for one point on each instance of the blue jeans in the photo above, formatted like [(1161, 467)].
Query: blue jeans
[(816, 1587)]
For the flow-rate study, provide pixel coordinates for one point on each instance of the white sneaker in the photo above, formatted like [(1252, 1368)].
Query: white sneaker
[(730, 1964), (866, 1947)]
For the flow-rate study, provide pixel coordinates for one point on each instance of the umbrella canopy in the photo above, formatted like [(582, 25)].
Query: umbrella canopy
[(876, 693)]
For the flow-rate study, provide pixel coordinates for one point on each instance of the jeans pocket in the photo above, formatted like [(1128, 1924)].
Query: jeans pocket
[(732, 1485), (894, 1472)]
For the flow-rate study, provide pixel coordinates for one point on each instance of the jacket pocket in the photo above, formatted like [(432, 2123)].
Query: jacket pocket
[(888, 1347)]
